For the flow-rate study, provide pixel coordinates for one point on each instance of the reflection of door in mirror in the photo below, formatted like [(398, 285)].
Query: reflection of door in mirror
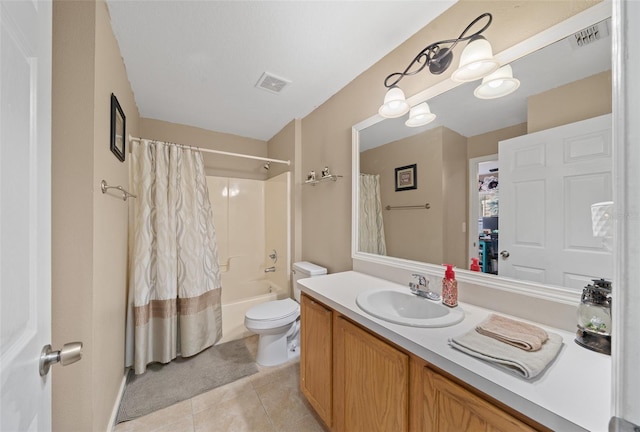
[(549, 181)]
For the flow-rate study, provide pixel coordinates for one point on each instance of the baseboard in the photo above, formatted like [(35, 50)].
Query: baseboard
[(116, 406)]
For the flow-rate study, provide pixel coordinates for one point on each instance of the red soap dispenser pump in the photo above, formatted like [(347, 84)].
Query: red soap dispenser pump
[(449, 287), (474, 265)]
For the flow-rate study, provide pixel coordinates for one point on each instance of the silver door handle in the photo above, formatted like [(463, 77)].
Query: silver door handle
[(70, 353), (504, 254)]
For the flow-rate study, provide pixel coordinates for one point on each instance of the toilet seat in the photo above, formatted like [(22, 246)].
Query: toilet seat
[(272, 314)]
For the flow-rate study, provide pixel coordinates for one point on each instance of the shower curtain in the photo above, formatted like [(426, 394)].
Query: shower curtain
[(370, 224), (175, 283)]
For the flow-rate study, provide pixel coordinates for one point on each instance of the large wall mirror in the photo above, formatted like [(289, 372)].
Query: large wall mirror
[(509, 181)]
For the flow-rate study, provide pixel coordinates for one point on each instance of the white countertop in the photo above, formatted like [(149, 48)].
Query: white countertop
[(573, 393)]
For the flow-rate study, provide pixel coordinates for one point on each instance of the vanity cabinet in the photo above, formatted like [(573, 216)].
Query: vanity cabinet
[(316, 357), (371, 381), (448, 406), (357, 381)]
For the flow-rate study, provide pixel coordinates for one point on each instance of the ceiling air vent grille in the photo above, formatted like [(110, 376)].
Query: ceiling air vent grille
[(590, 34), (272, 83)]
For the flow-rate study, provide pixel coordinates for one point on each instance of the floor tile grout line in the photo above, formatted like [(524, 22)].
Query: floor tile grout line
[(273, 426), (193, 417)]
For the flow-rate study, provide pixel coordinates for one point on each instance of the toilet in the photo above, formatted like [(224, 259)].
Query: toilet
[(277, 322)]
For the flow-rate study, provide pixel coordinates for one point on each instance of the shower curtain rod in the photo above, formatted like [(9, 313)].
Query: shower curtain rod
[(286, 162)]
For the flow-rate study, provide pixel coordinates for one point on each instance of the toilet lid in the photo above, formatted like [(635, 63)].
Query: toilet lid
[(273, 310)]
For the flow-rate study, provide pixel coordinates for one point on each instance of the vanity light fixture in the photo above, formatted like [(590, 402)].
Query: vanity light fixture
[(395, 104), (498, 84), (476, 61), (420, 115)]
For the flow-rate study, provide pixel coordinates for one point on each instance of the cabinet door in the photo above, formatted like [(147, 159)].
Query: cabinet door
[(371, 381), (316, 357), (449, 407)]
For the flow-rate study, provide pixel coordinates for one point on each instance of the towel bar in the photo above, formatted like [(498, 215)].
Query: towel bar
[(409, 207), (104, 187)]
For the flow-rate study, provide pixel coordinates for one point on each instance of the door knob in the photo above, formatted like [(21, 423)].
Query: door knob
[(70, 353), (504, 254)]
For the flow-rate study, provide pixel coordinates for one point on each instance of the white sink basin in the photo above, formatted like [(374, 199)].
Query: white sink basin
[(407, 309)]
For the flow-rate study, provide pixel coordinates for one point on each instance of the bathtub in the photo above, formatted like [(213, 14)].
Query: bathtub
[(237, 299)]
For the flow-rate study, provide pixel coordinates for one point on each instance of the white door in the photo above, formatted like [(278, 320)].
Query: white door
[(25, 215), (548, 181)]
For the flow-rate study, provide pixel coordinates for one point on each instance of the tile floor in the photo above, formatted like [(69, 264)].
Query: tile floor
[(268, 401)]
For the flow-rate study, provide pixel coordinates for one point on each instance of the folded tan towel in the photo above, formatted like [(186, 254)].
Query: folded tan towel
[(517, 333), (527, 364)]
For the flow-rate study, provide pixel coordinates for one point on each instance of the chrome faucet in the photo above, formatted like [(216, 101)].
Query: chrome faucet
[(422, 288), (270, 269)]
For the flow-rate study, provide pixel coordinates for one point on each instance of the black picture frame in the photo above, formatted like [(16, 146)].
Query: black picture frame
[(118, 129), (406, 178)]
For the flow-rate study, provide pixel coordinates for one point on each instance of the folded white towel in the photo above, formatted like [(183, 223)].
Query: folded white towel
[(527, 364)]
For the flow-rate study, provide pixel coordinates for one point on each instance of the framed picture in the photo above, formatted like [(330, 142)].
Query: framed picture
[(406, 178), (118, 129)]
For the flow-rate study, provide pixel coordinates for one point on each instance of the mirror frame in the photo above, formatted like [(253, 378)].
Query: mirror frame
[(596, 13)]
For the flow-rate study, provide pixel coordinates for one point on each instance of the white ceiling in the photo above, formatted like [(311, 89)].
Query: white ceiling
[(197, 62)]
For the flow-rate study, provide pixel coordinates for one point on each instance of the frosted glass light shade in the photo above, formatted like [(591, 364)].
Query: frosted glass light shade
[(602, 219), (476, 61), (395, 104), (498, 84), (420, 115)]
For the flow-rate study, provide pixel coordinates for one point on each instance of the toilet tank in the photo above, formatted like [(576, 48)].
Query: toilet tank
[(302, 270)]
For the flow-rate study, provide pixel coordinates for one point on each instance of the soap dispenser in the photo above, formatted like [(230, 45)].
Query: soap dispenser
[(474, 265), (449, 287)]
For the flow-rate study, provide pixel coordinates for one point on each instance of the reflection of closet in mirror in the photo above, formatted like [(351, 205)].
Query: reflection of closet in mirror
[(488, 214), (488, 189)]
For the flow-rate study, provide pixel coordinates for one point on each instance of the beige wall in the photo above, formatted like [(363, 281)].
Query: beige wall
[(580, 100), (283, 146), (454, 193), (487, 143), (411, 234), (434, 235), (215, 164), (326, 132), (72, 201), (89, 244)]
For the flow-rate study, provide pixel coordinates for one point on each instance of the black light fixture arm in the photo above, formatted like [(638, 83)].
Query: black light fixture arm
[(435, 56)]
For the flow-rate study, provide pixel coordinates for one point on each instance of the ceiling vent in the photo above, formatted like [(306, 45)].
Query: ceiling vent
[(590, 34), (272, 83)]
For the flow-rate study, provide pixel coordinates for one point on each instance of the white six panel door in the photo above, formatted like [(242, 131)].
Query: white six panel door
[(548, 181)]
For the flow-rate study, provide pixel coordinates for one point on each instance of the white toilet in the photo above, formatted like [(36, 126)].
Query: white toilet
[(277, 321)]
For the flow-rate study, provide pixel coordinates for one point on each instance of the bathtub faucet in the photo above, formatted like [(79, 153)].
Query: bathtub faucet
[(270, 269)]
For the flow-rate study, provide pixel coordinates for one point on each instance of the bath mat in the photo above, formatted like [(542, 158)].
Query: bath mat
[(163, 385)]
